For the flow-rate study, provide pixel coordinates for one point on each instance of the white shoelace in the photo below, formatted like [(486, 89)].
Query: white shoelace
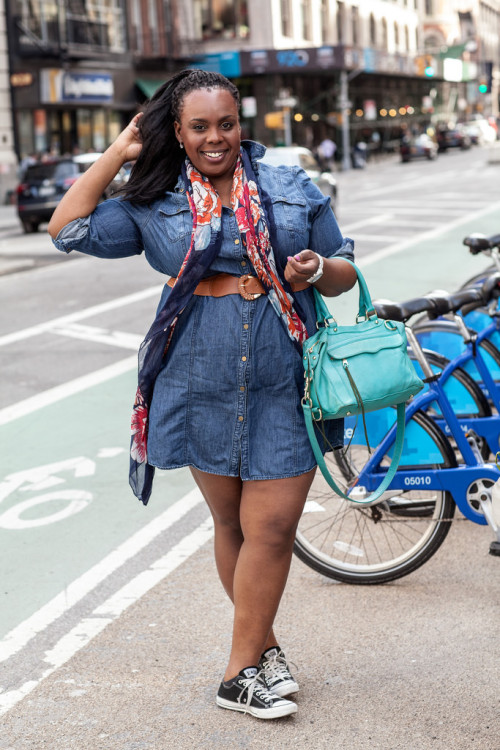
[(276, 669), (253, 685)]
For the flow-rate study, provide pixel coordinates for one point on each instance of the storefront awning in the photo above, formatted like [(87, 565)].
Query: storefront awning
[(148, 86)]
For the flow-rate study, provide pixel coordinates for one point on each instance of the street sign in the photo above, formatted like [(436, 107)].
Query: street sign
[(287, 101)]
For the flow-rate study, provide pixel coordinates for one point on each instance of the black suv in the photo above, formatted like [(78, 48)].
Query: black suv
[(43, 185)]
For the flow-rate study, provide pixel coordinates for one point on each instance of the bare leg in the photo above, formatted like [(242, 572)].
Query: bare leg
[(270, 512), (223, 497), (255, 524)]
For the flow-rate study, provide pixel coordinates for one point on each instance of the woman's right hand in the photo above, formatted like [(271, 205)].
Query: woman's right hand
[(128, 142)]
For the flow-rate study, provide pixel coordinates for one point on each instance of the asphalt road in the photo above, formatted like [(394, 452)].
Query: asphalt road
[(114, 627)]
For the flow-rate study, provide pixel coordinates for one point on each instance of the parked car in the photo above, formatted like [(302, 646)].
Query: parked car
[(291, 156), (481, 131), (44, 183), (413, 147), (453, 137)]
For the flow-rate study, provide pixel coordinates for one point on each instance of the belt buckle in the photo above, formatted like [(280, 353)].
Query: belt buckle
[(241, 288)]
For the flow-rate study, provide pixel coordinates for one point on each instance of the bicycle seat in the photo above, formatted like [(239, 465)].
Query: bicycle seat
[(494, 240), (444, 302), (402, 311), (477, 243)]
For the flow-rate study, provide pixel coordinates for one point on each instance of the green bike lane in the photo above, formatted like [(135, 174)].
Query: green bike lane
[(66, 502)]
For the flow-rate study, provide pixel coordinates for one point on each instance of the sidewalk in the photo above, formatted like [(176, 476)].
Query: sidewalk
[(407, 666)]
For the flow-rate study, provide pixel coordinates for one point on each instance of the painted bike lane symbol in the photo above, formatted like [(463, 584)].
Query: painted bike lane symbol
[(48, 477)]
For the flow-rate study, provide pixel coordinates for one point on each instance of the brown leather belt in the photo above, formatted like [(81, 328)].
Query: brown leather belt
[(247, 286)]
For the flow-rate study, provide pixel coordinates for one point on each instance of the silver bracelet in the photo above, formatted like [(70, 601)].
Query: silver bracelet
[(319, 271)]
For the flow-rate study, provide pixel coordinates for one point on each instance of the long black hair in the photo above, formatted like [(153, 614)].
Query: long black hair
[(158, 165)]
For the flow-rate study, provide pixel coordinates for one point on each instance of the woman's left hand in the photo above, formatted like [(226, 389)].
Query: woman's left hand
[(302, 266)]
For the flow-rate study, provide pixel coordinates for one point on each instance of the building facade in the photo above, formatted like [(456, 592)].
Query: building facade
[(75, 71), (70, 73), (286, 50), (465, 35)]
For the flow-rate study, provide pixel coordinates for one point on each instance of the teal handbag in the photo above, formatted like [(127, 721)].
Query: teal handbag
[(350, 370)]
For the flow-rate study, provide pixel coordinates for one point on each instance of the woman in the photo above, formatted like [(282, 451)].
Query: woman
[(221, 374)]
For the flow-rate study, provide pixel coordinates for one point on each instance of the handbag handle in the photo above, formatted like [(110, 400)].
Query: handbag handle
[(366, 308), (391, 471)]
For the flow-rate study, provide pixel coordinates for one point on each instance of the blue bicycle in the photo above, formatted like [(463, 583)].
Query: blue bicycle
[(386, 540)]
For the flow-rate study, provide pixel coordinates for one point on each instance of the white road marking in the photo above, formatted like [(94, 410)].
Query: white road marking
[(431, 234), (378, 219), (18, 637), (88, 312), (376, 237), (52, 395), (110, 610), (99, 335)]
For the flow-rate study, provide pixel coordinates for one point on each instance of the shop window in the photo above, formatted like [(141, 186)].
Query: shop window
[(114, 126), (222, 19), (84, 129), (99, 127)]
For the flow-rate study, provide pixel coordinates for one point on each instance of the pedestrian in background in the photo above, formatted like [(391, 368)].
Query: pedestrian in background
[(220, 372), (326, 153)]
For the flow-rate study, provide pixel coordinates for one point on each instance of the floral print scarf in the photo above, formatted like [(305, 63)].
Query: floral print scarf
[(250, 209)]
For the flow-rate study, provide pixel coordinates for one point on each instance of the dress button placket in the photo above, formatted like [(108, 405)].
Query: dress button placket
[(241, 384)]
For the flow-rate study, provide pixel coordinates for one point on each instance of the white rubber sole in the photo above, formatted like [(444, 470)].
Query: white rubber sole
[(260, 713), (287, 688)]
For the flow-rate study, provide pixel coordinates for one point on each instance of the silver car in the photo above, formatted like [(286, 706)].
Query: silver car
[(292, 156)]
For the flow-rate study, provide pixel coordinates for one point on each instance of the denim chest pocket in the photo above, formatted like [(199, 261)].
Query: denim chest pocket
[(176, 221), (291, 221)]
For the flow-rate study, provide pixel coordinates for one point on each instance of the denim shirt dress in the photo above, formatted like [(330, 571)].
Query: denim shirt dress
[(227, 400)]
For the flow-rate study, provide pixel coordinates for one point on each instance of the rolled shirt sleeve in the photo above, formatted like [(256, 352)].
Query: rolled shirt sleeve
[(110, 231)]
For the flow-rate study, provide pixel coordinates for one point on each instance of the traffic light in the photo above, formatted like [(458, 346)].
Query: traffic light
[(429, 67), (485, 80), (425, 66)]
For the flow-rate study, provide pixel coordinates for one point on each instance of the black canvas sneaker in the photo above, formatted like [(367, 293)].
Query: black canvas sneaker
[(247, 693), (275, 672)]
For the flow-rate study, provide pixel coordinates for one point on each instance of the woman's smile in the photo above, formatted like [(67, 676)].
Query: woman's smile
[(214, 155)]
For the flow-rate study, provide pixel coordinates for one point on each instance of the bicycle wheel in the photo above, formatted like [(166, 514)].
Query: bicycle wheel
[(386, 541), (465, 396), (444, 336)]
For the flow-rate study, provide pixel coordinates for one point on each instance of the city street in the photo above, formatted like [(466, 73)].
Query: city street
[(114, 629)]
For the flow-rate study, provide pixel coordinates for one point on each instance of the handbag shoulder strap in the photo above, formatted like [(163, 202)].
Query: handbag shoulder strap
[(366, 308), (396, 457)]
